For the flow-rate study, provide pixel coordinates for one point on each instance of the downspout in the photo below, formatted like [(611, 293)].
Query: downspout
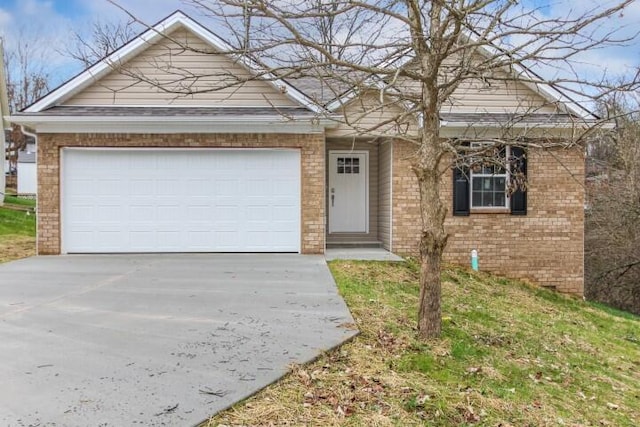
[(31, 134), (4, 109)]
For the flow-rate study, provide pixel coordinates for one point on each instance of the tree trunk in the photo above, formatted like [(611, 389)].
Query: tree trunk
[(433, 240)]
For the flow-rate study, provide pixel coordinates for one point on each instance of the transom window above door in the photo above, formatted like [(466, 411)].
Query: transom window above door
[(348, 165)]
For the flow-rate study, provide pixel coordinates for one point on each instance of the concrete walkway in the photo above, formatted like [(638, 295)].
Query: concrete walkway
[(151, 340), (361, 254)]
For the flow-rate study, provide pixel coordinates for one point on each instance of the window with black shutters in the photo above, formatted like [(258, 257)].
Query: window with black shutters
[(484, 186)]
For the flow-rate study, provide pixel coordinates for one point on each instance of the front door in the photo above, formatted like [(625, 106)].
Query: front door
[(348, 197)]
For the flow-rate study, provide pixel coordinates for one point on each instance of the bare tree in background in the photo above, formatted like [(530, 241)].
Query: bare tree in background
[(105, 38), (612, 235), (26, 70), (414, 56)]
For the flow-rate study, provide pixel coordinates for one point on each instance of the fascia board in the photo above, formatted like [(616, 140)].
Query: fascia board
[(172, 124)]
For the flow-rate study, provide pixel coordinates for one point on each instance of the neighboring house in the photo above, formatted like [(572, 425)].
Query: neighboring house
[(5, 142), (126, 167), (27, 174), (20, 164)]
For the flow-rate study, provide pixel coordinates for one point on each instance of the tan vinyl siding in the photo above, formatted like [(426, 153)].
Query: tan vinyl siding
[(188, 77), (384, 194), (496, 96), (494, 93), (372, 148), (366, 115)]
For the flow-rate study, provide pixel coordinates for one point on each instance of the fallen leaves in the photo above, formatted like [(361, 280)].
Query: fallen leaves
[(520, 366)]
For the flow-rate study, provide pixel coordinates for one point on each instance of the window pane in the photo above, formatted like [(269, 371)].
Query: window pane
[(356, 161), (476, 184), (340, 169), (486, 184), (356, 169), (340, 161), (347, 168), (499, 198), (348, 161), (476, 198)]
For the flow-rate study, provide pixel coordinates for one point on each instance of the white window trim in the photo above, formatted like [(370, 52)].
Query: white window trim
[(472, 175)]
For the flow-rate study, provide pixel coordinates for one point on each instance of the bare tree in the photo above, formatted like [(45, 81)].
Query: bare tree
[(4, 107), (414, 56), (105, 38), (26, 61), (612, 235)]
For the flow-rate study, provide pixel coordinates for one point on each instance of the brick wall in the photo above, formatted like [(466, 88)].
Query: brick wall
[(313, 169), (545, 246)]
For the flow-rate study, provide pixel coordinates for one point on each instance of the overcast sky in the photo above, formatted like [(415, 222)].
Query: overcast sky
[(54, 20)]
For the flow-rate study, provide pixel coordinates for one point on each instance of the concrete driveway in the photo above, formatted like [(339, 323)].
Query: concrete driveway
[(120, 340)]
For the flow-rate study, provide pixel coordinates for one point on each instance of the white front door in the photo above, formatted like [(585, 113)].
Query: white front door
[(348, 194)]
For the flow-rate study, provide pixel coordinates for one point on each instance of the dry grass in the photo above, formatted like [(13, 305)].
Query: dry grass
[(510, 355), (14, 247)]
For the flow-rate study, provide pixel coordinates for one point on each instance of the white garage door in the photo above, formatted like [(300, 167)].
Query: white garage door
[(152, 200)]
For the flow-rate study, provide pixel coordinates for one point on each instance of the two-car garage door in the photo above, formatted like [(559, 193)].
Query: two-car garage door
[(152, 200)]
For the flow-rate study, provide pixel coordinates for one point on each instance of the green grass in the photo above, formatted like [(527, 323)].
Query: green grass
[(14, 200), (17, 223), (510, 355), (17, 234)]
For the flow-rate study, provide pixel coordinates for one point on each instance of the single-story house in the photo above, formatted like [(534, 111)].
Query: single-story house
[(124, 166)]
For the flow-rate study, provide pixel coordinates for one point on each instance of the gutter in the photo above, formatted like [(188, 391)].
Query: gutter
[(43, 123)]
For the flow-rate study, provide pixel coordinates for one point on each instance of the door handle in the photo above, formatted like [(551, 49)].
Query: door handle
[(332, 199)]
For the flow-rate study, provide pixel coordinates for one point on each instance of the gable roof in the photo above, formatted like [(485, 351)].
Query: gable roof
[(155, 33), (321, 101), (521, 73)]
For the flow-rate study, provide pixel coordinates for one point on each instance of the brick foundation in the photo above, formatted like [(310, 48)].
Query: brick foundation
[(546, 246), (313, 170)]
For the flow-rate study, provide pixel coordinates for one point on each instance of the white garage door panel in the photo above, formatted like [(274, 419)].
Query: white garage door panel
[(180, 201)]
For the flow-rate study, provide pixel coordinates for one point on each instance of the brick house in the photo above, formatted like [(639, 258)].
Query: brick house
[(268, 166)]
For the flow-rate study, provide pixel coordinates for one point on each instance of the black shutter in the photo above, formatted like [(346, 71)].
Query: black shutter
[(461, 191), (519, 197)]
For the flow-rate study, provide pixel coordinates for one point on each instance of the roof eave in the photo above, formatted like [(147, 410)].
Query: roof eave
[(175, 124), (530, 125)]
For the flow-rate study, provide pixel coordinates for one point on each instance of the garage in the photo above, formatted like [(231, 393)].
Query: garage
[(180, 200)]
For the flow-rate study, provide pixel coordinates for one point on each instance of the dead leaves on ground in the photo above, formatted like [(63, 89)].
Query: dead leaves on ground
[(340, 388)]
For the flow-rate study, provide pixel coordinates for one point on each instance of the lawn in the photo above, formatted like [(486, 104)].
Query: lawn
[(14, 200), (17, 234), (510, 355)]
